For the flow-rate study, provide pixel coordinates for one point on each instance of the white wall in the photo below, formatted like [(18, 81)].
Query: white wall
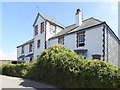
[(26, 51), (70, 41), (41, 37), (52, 42), (49, 34), (93, 42)]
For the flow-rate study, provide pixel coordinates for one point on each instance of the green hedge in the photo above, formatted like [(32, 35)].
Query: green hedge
[(18, 70), (63, 68)]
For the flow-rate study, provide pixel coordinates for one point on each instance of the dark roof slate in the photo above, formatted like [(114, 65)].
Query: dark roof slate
[(72, 28), (51, 19), (30, 41)]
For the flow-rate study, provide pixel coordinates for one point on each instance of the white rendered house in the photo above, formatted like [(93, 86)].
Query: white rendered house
[(92, 38)]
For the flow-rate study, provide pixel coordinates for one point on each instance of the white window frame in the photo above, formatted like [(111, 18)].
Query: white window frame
[(51, 30), (81, 39), (61, 39)]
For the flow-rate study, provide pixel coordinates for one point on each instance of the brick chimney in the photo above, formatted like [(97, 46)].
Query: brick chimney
[(78, 18)]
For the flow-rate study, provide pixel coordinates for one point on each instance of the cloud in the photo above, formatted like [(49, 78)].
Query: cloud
[(8, 56)]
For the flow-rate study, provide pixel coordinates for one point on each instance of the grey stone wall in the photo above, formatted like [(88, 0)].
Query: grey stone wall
[(111, 48)]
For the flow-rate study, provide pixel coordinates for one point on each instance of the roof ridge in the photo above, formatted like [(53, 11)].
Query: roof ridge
[(69, 25), (92, 18), (47, 17), (31, 40)]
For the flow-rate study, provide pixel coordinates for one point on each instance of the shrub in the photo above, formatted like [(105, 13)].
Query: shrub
[(14, 62), (20, 61), (65, 69), (18, 70)]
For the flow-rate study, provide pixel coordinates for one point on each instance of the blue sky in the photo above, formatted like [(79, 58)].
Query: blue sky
[(18, 18)]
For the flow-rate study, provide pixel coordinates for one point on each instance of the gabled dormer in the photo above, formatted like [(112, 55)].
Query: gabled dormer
[(41, 23)]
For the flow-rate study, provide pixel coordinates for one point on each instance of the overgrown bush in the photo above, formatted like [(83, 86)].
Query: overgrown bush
[(20, 61), (18, 70), (14, 62), (64, 68)]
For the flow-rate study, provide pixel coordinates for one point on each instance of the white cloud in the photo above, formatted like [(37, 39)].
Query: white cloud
[(8, 56)]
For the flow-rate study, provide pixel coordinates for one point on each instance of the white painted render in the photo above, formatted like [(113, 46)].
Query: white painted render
[(49, 34), (40, 36), (93, 38), (79, 19), (93, 42), (26, 51)]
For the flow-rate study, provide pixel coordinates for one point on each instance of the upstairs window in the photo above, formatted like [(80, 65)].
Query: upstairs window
[(30, 47), (80, 39), (36, 30), (22, 50), (38, 44), (52, 28), (61, 40), (42, 27)]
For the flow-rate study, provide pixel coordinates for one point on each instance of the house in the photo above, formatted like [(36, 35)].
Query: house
[(92, 38)]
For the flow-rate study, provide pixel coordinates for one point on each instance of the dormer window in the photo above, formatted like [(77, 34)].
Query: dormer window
[(42, 27), (52, 28), (36, 30)]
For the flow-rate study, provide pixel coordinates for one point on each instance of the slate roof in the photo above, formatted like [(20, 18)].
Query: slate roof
[(72, 28), (51, 19), (30, 41)]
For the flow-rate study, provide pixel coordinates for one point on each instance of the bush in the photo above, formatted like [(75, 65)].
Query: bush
[(14, 62), (18, 70), (20, 61), (65, 69)]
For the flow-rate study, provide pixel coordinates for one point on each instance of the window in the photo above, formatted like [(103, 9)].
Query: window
[(52, 28), (96, 56), (80, 39), (22, 49), (61, 40), (36, 30), (42, 27), (30, 59), (30, 47), (38, 43), (37, 56)]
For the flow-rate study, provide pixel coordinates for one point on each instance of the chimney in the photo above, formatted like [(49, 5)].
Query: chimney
[(78, 18)]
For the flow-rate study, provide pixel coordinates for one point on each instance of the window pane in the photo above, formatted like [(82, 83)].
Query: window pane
[(52, 28), (80, 40), (61, 41)]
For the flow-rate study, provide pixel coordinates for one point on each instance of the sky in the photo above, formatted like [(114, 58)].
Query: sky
[(18, 18)]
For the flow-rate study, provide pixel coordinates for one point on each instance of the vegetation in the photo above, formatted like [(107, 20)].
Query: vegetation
[(63, 68), (14, 62), (20, 61), (18, 70)]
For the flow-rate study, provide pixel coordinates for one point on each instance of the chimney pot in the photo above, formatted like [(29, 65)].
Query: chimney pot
[(78, 17)]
